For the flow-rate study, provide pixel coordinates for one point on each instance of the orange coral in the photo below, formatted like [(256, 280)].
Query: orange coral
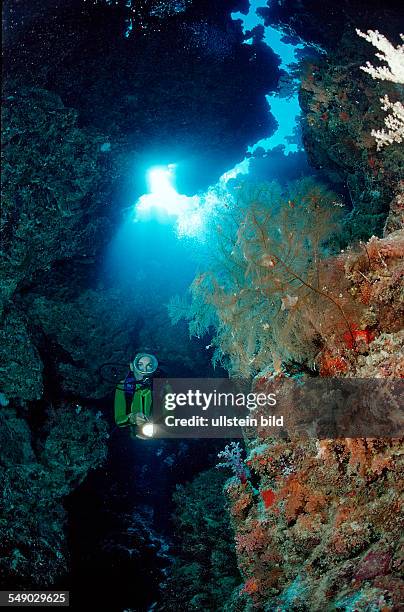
[(252, 540), (251, 586), (343, 513), (240, 506), (316, 502), (366, 292), (332, 365), (294, 493)]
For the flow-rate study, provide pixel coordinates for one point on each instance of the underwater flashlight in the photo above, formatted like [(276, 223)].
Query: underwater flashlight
[(148, 430)]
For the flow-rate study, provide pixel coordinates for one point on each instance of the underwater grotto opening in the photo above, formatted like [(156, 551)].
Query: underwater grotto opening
[(201, 305)]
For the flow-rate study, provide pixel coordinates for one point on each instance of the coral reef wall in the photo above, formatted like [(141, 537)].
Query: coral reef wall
[(318, 522)]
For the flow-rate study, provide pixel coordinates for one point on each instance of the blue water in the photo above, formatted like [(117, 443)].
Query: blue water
[(145, 244), (285, 111)]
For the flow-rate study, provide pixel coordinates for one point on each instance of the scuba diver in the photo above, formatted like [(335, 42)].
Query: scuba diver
[(133, 397)]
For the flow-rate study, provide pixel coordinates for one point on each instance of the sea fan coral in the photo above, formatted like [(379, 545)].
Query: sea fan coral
[(269, 291)]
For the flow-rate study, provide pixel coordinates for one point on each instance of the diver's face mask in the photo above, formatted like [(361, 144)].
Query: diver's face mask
[(145, 364)]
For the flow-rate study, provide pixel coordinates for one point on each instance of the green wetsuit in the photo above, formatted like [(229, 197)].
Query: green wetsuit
[(126, 410)]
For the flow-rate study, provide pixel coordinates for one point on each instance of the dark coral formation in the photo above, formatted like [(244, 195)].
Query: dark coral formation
[(164, 101), (324, 22), (21, 365), (36, 473), (341, 106), (205, 573), (53, 204), (54, 213)]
